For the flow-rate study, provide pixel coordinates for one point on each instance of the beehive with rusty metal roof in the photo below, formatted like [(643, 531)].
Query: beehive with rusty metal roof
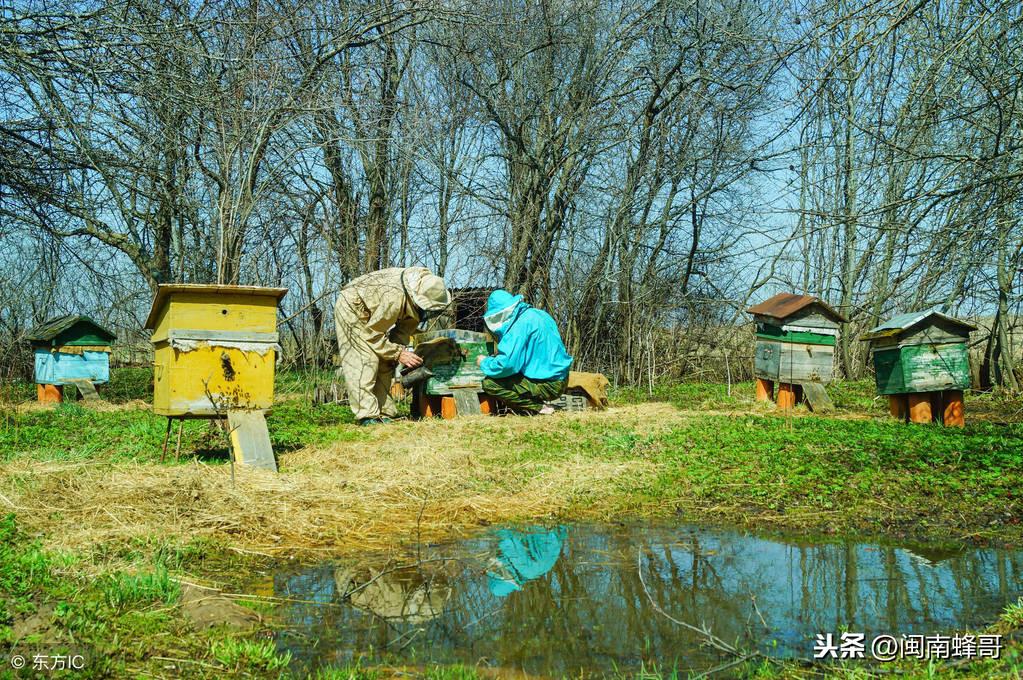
[(796, 337)]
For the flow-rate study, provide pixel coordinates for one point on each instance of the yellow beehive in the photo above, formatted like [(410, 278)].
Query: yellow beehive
[(215, 348)]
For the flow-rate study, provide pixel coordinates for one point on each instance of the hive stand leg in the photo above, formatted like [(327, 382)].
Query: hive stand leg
[(166, 440), (953, 414), (49, 394), (786, 395), (898, 406), (488, 405), (447, 408), (765, 390), (177, 449), (430, 406), (920, 408), (416, 408), (250, 440)]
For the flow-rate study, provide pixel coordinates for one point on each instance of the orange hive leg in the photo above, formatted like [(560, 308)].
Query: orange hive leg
[(50, 394), (920, 408), (786, 395), (954, 415), (898, 406), (488, 405), (447, 408), (765, 389), (431, 406)]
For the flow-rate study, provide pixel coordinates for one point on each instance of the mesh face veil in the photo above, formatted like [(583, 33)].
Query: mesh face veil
[(496, 321)]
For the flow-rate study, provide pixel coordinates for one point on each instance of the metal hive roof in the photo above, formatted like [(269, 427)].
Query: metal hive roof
[(903, 322), (48, 330), (786, 304)]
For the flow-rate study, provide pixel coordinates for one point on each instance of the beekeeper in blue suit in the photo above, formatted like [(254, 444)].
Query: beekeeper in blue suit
[(531, 365)]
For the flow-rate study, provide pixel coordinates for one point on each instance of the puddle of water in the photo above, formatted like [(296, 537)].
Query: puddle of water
[(569, 600)]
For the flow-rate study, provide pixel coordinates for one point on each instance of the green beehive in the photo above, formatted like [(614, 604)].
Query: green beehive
[(920, 352), (796, 337), (451, 355)]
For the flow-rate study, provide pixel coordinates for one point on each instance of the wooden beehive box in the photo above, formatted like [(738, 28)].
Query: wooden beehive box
[(453, 364), (68, 349), (796, 336), (920, 352), (214, 348)]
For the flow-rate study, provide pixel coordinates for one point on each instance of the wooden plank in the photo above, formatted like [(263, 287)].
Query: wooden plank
[(799, 334), (766, 360), (811, 316), (888, 372), (467, 402), (935, 368), (236, 380), (801, 362), (765, 390), (817, 397), (212, 311), (250, 439), (86, 389), (223, 335)]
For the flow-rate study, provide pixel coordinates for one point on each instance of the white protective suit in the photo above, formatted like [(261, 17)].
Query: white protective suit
[(374, 317)]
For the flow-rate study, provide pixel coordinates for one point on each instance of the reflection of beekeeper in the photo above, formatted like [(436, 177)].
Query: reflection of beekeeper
[(374, 316), (406, 595), (523, 557)]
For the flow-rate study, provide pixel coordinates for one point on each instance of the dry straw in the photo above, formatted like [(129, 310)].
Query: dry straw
[(404, 481)]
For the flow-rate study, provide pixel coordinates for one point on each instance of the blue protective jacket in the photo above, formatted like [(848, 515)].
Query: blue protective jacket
[(529, 344)]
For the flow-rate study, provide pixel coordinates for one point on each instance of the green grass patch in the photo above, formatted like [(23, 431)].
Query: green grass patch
[(242, 655)]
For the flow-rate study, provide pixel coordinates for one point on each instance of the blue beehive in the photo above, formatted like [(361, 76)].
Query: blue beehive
[(71, 348)]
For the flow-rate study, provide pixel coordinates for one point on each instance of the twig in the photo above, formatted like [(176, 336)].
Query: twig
[(712, 640)]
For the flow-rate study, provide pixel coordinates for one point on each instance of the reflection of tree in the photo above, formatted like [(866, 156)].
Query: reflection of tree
[(588, 610)]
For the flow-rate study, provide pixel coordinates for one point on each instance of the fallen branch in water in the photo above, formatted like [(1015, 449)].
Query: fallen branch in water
[(711, 639)]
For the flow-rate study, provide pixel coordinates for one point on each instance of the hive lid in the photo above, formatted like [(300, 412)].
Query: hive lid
[(786, 304), (903, 322), (49, 330), (164, 291)]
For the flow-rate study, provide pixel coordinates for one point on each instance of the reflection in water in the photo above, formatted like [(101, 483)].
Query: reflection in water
[(403, 594), (561, 602), (523, 557)]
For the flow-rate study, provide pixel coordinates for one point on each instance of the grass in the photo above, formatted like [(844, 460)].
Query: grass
[(104, 529), (241, 654)]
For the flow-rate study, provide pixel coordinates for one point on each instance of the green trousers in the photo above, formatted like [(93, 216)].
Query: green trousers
[(521, 393)]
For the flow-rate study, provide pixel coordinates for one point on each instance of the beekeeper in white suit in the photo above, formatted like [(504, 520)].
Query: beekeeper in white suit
[(375, 316)]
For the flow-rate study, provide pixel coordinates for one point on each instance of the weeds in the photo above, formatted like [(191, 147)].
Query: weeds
[(240, 654), (130, 590), (1012, 617)]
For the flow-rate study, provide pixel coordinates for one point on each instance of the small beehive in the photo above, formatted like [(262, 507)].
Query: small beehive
[(922, 364), (214, 348), (457, 381), (796, 336), (67, 350), (453, 363)]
